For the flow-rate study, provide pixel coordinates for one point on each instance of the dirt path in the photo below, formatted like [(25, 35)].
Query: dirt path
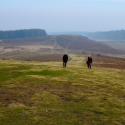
[(71, 42)]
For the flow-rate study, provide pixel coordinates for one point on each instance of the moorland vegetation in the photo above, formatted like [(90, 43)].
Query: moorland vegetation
[(44, 93)]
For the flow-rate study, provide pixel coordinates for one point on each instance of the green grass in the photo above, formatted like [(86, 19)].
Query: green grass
[(36, 93), (52, 73)]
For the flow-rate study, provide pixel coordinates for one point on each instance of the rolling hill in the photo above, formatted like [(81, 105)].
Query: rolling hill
[(58, 43)]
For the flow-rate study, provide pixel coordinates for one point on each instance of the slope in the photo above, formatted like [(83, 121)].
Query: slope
[(56, 44), (35, 93)]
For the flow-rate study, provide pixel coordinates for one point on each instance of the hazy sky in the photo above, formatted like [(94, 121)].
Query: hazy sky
[(62, 15)]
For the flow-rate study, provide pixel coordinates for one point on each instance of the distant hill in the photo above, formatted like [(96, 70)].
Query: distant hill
[(22, 33), (77, 42), (101, 35), (107, 35), (60, 43)]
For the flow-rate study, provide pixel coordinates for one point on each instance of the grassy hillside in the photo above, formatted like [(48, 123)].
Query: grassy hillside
[(44, 93)]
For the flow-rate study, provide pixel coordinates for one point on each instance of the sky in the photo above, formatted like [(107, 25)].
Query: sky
[(63, 15)]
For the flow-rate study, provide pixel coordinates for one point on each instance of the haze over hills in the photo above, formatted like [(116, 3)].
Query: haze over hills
[(101, 35)]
